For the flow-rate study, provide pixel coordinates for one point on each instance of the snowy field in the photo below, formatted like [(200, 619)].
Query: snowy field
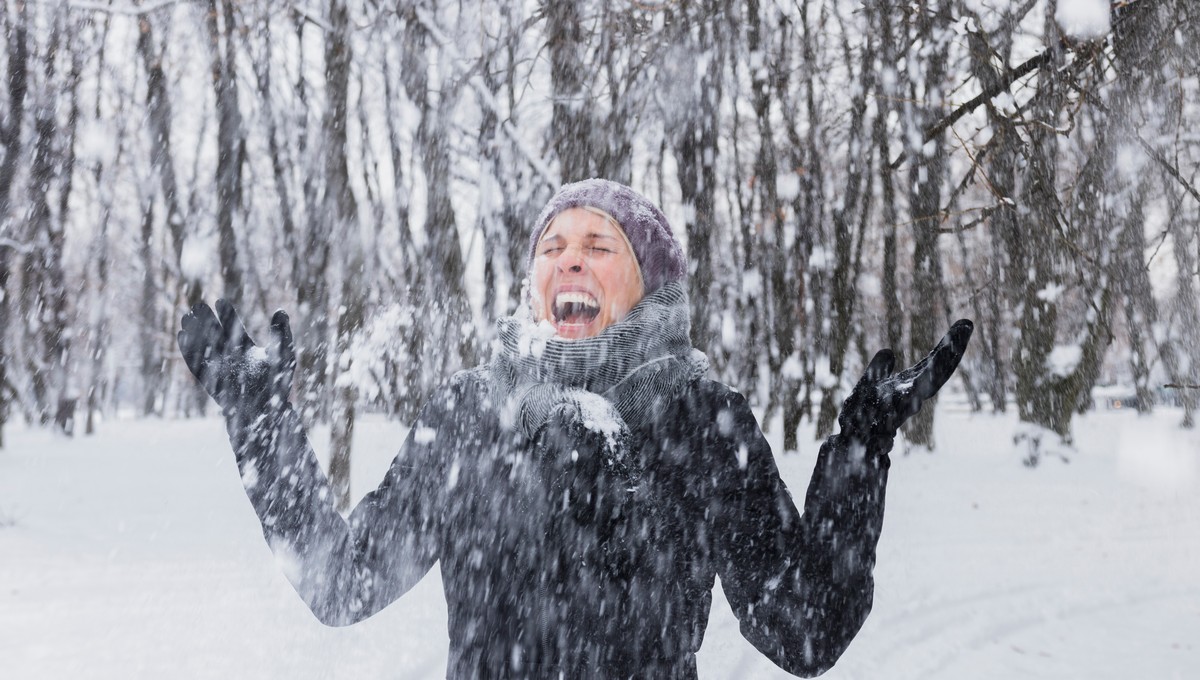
[(134, 554)]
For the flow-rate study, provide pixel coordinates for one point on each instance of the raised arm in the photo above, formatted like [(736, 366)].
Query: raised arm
[(801, 585), (344, 569)]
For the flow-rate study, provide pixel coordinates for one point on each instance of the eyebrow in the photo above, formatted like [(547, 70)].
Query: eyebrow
[(593, 235)]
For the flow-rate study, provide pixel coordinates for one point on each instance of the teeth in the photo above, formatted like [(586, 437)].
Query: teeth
[(575, 298)]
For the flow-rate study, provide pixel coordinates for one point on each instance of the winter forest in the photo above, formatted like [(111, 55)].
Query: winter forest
[(846, 176)]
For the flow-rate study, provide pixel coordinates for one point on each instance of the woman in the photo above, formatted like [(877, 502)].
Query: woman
[(583, 488)]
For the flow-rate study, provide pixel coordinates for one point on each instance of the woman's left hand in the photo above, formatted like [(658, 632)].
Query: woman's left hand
[(882, 401), (247, 381)]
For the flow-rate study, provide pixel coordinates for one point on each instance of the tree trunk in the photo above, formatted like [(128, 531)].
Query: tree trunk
[(67, 396), (776, 318), (696, 151), (848, 218), (152, 363), (1001, 164), (445, 341), (230, 143), (1029, 246), (100, 330), (280, 164), (43, 276), (17, 43), (1141, 310), (159, 118), (890, 93), (340, 213), (1186, 305), (926, 176), (571, 124)]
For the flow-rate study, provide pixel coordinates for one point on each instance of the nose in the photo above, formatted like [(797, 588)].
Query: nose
[(571, 259)]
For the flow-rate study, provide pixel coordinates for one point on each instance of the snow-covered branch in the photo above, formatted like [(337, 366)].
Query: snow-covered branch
[(123, 8), (312, 17), (23, 248), (486, 98)]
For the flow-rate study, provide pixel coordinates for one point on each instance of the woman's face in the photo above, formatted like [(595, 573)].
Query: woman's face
[(585, 276)]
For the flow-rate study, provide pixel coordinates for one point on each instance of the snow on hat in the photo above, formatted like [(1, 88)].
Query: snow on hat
[(658, 253)]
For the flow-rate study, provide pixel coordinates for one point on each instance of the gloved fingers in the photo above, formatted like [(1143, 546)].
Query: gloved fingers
[(283, 348), (193, 318), (201, 323), (860, 408), (960, 334), (199, 338), (193, 355), (234, 332), (282, 355), (880, 367), (923, 380)]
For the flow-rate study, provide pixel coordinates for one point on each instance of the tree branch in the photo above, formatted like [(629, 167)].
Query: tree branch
[(535, 160), (1168, 166), (23, 248), (124, 9), (1121, 11), (1011, 77), (312, 17)]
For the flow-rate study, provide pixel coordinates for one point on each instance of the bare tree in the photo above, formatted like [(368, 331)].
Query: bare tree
[(927, 174), (231, 144), (160, 117), (339, 212), (17, 52)]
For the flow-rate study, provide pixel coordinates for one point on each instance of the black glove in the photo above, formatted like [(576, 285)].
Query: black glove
[(590, 470), (592, 478), (881, 402), (245, 380)]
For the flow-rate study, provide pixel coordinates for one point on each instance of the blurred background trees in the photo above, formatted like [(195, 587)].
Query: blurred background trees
[(846, 176)]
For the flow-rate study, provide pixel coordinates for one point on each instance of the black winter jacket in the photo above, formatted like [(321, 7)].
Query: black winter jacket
[(560, 558)]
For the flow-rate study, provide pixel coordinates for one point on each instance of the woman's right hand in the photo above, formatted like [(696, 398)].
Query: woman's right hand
[(243, 378)]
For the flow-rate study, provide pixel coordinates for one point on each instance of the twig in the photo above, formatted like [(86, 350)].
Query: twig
[(486, 98), (975, 166), (1162, 238), (313, 18), (946, 214), (125, 9), (1154, 154), (23, 248), (1168, 166), (1176, 386), (987, 285), (1013, 76), (985, 213), (653, 6)]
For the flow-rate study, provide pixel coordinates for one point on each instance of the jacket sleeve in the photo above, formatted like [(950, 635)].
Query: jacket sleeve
[(800, 585), (345, 569)]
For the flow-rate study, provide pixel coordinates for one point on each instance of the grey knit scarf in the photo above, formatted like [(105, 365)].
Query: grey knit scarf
[(612, 379)]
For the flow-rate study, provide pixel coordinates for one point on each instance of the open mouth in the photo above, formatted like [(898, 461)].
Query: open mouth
[(575, 307)]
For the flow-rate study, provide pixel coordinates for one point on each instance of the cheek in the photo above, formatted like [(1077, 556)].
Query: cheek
[(623, 288), (537, 283), (537, 271), (539, 278)]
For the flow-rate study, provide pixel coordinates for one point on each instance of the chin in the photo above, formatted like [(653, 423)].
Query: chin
[(576, 331)]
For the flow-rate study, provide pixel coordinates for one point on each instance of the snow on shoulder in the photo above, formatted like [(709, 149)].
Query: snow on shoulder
[(599, 415)]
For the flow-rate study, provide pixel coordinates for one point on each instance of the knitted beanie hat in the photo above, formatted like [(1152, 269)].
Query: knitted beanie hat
[(659, 255)]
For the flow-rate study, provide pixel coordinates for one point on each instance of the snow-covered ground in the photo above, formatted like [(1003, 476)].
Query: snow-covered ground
[(134, 554)]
